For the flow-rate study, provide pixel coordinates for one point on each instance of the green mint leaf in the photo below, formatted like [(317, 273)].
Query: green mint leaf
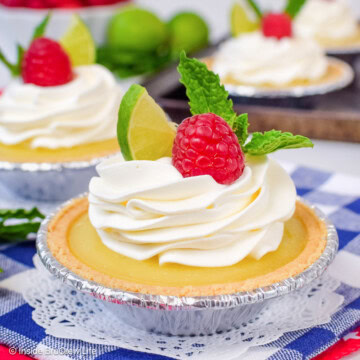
[(293, 7), (270, 141), (41, 28), (255, 8), (18, 232), (240, 128), (131, 63), (20, 214), (15, 69), (203, 89), (27, 222), (12, 68), (207, 95), (20, 55), (1, 270)]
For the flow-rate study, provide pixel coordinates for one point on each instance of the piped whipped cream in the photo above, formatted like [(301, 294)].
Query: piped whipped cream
[(255, 59), (325, 19), (141, 209), (80, 112)]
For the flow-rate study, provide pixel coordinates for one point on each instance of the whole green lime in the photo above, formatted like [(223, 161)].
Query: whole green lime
[(136, 29), (189, 32)]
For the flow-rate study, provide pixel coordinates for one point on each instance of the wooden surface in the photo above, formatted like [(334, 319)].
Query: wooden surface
[(342, 126), (335, 116)]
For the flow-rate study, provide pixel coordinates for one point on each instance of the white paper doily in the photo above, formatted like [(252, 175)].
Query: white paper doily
[(67, 313)]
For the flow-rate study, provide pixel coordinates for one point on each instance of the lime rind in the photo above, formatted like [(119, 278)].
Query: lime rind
[(144, 131), (127, 106)]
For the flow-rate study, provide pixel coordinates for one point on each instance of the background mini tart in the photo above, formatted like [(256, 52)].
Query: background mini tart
[(334, 72), (75, 244), (23, 152), (349, 42)]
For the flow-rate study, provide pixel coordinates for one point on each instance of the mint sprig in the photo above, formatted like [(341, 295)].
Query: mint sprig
[(15, 69), (16, 225), (204, 90), (256, 9), (240, 128), (273, 140), (41, 28), (293, 7), (207, 95), (11, 67)]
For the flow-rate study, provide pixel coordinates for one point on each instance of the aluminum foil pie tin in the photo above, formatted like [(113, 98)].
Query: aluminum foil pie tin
[(343, 50), (296, 91), (48, 181), (187, 315)]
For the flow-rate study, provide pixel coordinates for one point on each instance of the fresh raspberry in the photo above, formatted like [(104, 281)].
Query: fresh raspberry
[(46, 64), (206, 145), (36, 4), (13, 3), (67, 4), (277, 25), (101, 2)]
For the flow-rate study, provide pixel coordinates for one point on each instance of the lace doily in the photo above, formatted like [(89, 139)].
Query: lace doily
[(66, 313)]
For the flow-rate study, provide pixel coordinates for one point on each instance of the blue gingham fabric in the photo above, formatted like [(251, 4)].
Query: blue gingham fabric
[(336, 194)]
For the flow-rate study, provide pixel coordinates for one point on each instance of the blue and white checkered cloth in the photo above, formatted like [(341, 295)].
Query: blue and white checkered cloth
[(337, 195)]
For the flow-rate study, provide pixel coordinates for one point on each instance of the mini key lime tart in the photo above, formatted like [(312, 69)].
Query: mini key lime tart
[(266, 59), (196, 226), (331, 24), (58, 119)]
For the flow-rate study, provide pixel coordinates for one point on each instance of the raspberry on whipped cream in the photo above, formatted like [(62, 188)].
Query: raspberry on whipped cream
[(206, 145)]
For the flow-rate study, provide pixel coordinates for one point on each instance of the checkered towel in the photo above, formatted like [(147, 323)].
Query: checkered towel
[(337, 195)]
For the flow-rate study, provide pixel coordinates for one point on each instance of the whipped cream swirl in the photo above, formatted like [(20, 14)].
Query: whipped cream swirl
[(82, 111), (142, 209), (255, 59), (325, 19)]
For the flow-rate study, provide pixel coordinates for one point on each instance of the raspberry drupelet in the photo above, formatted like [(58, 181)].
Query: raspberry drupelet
[(206, 145)]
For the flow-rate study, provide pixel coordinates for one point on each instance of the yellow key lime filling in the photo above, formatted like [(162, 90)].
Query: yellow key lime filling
[(24, 153), (87, 247)]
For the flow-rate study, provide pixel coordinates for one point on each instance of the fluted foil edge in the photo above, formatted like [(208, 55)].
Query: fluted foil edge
[(164, 302)]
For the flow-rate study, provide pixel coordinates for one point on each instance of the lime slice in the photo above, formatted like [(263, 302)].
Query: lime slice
[(144, 132), (243, 19), (78, 43)]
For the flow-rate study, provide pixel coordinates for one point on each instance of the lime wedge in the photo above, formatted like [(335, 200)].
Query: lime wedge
[(144, 132), (243, 18), (78, 43)]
